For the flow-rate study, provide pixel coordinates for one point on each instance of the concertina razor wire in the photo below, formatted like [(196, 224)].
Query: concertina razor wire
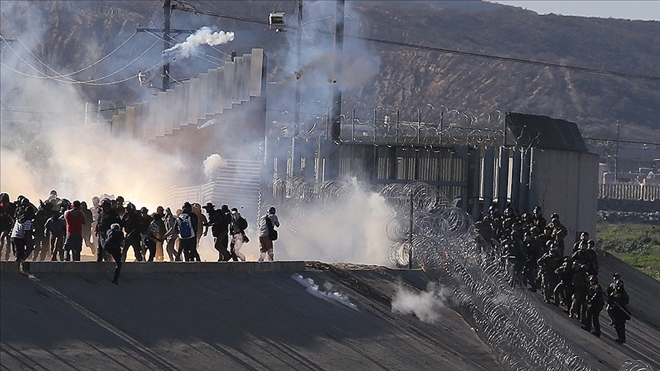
[(446, 245)]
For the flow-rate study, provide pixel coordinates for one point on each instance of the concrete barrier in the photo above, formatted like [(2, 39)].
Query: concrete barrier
[(143, 267)]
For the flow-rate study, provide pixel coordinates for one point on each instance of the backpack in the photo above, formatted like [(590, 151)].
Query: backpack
[(185, 226), (272, 233)]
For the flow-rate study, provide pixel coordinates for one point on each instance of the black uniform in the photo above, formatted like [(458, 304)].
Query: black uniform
[(595, 303), (617, 306)]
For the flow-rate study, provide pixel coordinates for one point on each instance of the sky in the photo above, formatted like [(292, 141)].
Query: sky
[(636, 10)]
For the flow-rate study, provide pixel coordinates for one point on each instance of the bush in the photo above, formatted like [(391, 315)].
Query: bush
[(634, 243)]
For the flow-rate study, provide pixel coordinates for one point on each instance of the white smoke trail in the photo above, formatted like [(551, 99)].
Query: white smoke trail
[(212, 164), (203, 36), (206, 124)]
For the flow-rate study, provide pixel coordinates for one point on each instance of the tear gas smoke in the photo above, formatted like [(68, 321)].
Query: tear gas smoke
[(212, 164), (423, 305), (64, 152), (203, 36), (350, 229), (319, 68)]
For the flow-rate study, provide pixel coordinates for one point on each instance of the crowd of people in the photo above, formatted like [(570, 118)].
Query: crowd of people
[(531, 250), (57, 229), (534, 254)]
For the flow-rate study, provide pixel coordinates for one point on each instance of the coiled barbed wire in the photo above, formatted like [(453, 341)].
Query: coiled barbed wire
[(445, 242), (636, 365)]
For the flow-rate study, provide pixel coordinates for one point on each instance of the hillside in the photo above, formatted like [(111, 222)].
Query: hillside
[(77, 33)]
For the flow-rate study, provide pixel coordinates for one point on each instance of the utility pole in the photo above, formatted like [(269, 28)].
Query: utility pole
[(296, 115), (167, 39), (335, 129), (167, 13)]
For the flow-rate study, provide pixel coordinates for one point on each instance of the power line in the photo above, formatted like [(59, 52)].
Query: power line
[(65, 78), (451, 51), (98, 61), (510, 59)]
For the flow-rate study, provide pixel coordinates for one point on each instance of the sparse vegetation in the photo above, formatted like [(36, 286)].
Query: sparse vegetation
[(635, 244)]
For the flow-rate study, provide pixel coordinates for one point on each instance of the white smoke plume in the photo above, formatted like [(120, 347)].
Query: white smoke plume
[(203, 36), (351, 229), (212, 164), (424, 305)]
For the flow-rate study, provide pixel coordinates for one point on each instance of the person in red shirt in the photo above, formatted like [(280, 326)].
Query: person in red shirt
[(75, 219)]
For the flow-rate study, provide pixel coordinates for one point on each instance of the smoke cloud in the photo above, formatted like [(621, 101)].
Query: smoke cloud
[(48, 142), (203, 36), (350, 229), (424, 305), (320, 67), (81, 158), (212, 164)]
